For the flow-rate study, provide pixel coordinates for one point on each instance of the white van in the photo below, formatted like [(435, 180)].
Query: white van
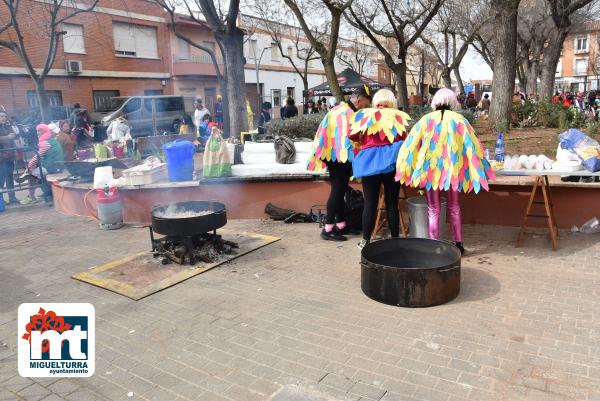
[(148, 115)]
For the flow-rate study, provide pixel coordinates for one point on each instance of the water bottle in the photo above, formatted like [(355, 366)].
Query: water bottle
[(499, 150)]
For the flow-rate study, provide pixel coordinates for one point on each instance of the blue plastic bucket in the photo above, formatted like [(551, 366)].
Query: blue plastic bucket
[(1, 203), (180, 160)]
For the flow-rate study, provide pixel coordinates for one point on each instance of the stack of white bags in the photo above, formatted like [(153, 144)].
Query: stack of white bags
[(525, 162)]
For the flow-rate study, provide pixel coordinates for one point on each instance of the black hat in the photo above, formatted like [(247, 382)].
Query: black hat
[(267, 105), (365, 91)]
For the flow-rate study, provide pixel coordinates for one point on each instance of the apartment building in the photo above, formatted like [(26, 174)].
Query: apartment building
[(114, 51), (277, 77), (579, 67), (126, 48), (193, 72)]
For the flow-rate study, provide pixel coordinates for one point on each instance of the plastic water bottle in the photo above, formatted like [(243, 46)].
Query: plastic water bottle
[(499, 150)]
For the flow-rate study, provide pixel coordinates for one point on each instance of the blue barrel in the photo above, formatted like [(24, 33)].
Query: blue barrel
[(180, 160), (1, 203)]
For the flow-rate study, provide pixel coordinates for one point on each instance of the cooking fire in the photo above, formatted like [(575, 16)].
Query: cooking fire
[(190, 230)]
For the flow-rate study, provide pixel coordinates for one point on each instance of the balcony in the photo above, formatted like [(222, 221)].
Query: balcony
[(197, 64)]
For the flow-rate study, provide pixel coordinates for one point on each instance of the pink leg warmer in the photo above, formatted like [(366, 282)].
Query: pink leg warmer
[(455, 216), (433, 212)]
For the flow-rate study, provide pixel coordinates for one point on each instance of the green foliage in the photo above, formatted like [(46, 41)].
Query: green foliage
[(468, 115), (416, 112), (302, 126), (593, 130), (549, 115)]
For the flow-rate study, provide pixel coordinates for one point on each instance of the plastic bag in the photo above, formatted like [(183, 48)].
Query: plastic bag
[(587, 149), (592, 226), (285, 150)]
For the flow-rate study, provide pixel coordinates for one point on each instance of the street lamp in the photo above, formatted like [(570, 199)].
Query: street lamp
[(257, 63)]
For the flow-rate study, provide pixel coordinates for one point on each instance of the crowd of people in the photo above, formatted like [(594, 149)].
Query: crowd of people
[(582, 102), (56, 144), (366, 138)]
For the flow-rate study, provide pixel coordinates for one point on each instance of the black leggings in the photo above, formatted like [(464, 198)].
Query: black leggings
[(391, 191), (339, 177)]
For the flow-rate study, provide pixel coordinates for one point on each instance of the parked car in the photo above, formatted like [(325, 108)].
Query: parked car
[(147, 115)]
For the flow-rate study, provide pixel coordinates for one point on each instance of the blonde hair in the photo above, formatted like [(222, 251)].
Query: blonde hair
[(384, 98), (445, 97)]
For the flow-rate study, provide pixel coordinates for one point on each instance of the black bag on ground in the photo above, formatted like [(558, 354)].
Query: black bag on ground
[(354, 204), (289, 215)]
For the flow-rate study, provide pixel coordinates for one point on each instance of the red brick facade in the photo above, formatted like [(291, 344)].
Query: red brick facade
[(102, 68)]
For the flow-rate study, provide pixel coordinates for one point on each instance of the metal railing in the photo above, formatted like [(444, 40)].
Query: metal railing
[(196, 58), (21, 161)]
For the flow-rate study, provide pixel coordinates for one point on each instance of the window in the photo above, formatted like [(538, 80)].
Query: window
[(581, 66), (274, 52), (73, 38), (276, 96), (559, 67), (153, 92), (383, 74), (290, 52), (54, 99), (133, 105), (102, 100), (210, 45), (252, 48), (290, 91), (148, 105), (183, 48), (135, 40), (169, 104), (581, 44)]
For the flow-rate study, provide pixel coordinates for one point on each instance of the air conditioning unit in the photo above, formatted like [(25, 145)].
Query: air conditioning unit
[(73, 66)]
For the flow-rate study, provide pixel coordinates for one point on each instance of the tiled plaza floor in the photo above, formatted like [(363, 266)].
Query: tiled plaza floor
[(281, 324)]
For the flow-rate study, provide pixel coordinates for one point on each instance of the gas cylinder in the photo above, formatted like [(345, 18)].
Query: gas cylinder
[(110, 208)]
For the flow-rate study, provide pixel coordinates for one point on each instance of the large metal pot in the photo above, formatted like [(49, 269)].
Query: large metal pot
[(189, 226), (410, 272)]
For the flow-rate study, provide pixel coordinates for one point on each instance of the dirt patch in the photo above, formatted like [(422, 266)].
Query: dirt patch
[(530, 141)]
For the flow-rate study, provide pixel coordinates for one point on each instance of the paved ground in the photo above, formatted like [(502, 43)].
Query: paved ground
[(279, 324)]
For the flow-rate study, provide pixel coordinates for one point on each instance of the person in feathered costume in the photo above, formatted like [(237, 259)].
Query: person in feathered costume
[(333, 151), (379, 133), (442, 153)]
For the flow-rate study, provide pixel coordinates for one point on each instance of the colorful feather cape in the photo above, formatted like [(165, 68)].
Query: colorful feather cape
[(443, 153), (331, 141), (385, 122)]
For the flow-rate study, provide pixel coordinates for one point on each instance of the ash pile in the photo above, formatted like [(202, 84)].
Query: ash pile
[(207, 248)]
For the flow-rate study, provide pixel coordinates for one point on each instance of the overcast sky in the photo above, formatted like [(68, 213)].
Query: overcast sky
[(473, 67)]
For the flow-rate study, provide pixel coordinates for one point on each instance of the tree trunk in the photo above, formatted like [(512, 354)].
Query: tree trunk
[(549, 63), (532, 75), (401, 89), (331, 76), (503, 84), (446, 77), (522, 74), (459, 82), (233, 44), (42, 96), (225, 96)]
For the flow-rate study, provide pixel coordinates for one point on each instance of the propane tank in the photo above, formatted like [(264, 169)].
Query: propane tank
[(110, 208)]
